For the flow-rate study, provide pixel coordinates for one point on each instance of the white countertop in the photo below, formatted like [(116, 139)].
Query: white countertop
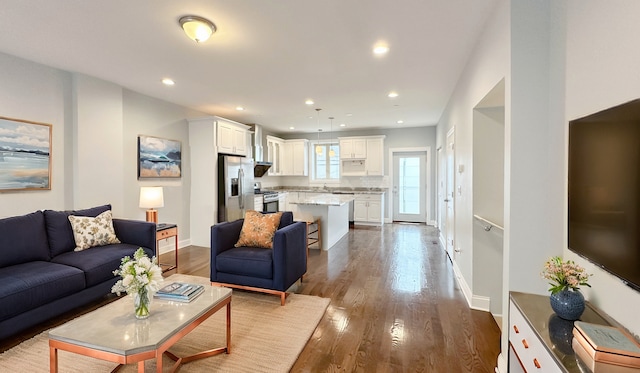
[(326, 200)]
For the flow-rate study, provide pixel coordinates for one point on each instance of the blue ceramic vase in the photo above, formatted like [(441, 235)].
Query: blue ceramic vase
[(568, 304)]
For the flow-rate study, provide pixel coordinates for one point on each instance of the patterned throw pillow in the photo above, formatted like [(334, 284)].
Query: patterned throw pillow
[(258, 229), (89, 232)]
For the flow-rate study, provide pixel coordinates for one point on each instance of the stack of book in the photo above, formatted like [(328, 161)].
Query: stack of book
[(180, 292), (605, 348)]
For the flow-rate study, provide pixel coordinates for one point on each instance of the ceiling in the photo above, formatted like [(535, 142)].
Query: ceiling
[(267, 56)]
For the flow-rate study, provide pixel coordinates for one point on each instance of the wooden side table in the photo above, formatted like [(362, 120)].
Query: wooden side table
[(164, 231)]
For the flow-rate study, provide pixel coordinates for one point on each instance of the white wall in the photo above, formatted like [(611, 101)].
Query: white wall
[(94, 152), (602, 71), (38, 93), (97, 144), (487, 66)]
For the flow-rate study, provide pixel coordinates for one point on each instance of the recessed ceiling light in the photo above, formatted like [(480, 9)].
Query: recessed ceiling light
[(239, 108), (380, 50), (309, 102), (392, 94), (292, 128), (400, 122), (349, 114), (342, 125), (167, 81)]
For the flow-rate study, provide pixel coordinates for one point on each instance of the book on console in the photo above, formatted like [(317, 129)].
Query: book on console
[(585, 358), (607, 344), (180, 291)]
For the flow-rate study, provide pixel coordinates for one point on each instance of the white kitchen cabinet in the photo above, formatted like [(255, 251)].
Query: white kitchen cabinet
[(290, 204), (232, 137), (353, 148), (296, 155), (282, 201), (258, 202), (372, 164), (368, 209), (275, 155)]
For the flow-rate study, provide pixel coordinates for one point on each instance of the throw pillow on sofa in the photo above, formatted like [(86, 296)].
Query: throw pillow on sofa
[(89, 232), (258, 229)]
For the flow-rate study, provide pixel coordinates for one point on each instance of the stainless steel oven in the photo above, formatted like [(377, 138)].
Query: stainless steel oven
[(270, 201)]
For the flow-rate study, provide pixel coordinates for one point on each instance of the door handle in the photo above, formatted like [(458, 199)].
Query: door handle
[(447, 200)]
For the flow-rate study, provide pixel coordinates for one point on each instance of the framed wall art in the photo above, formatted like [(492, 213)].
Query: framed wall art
[(159, 158), (25, 155)]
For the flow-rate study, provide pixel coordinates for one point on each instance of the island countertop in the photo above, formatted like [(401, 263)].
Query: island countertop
[(326, 200)]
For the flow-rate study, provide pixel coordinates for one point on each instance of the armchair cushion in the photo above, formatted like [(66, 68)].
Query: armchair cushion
[(258, 229), (246, 261)]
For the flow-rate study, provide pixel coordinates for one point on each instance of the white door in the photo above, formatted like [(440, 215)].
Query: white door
[(448, 198), (409, 187)]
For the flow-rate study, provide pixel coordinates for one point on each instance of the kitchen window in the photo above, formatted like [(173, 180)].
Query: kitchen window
[(325, 161)]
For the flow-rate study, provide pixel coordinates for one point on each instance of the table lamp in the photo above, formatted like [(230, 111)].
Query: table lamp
[(150, 198)]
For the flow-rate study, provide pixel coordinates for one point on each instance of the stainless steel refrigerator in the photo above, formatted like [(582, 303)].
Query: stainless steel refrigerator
[(235, 187)]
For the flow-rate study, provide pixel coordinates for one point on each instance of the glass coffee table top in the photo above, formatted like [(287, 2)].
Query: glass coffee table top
[(114, 328)]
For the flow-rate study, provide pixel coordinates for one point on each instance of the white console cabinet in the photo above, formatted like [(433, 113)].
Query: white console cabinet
[(539, 341)]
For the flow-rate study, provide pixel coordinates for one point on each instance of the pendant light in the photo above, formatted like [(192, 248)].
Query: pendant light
[(318, 146), (332, 153)]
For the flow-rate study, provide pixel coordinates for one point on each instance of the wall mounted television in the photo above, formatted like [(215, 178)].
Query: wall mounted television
[(604, 190)]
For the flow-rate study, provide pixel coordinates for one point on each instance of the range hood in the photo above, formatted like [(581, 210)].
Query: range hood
[(261, 168)]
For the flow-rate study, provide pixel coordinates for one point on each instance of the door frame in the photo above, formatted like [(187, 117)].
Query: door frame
[(427, 150)]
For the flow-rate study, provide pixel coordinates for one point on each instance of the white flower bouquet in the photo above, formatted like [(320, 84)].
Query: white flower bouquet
[(141, 277)]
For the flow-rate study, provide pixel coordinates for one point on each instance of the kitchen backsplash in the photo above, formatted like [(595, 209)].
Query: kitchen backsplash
[(346, 182)]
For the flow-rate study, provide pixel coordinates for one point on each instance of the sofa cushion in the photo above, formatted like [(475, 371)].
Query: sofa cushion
[(89, 232), (98, 263), (246, 261), (23, 239), (258, 229), (59, 230), (30, 285)]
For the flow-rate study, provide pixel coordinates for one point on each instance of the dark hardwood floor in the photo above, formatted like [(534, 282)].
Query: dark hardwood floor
[(395, 306)]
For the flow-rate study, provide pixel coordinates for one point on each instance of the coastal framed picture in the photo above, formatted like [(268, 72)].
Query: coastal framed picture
[(25, 155), (159, 158)]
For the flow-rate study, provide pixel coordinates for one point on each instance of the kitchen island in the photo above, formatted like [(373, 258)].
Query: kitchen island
[(333, 212)]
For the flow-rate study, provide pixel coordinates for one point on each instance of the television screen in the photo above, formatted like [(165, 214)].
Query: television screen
[(604, 190)]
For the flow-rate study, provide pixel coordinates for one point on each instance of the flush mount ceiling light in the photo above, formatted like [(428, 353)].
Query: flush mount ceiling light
[(168, 81), (239, 108), (197, 28), (392, 94), (309, 102)]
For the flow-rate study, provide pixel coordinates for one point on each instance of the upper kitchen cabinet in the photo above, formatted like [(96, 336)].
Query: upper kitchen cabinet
[(372, 164), (232, 137), (296, 157), (288, 157), (353, 148), (275, 153)]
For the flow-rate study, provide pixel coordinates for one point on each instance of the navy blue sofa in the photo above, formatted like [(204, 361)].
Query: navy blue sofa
[(266, 270), (41, 276)]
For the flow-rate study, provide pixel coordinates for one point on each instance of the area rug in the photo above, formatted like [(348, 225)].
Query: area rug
[(265, 337)]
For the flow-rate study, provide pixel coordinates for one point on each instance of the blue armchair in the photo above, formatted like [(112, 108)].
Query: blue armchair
[(270, 271)]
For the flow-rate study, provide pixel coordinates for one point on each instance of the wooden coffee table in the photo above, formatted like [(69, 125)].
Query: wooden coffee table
[(113, 333)]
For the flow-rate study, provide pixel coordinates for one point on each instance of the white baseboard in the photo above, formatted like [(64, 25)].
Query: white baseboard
[(466, 290), (481, 303), (502, 364), (476, 302), (168, 245)]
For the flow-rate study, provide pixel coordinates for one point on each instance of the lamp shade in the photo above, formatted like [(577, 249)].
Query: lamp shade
[(151, 197), (197, 28)]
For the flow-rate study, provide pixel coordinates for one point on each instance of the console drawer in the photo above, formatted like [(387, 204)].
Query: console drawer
[(526, 345)]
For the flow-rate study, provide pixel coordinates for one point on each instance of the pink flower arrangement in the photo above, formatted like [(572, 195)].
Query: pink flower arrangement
[(564, 275)]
